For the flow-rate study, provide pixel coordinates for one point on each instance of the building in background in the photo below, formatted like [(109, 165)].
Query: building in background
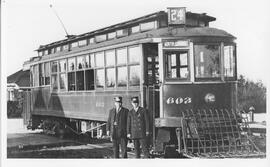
[(18, 82)]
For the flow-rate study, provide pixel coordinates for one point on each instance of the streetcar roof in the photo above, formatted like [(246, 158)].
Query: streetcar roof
[(156, 15), (166, 32)]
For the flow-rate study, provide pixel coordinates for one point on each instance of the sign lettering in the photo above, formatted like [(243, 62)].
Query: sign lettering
[(177, 16), (175, 43)]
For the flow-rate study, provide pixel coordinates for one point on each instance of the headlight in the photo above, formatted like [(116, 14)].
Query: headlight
[(210, 98)]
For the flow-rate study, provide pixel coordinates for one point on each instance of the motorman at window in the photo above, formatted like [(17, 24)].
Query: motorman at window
[(116, 128), (138, 127)]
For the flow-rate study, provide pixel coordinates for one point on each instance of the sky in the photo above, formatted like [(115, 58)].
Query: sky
[(26, 24)]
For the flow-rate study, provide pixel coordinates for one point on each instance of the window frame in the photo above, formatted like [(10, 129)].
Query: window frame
[(129, 87), (220, 62), (72, 71), (127, 65), (148, 29), (41, 70), (167, 79), (62, 72), (49, 72), (234, 78)]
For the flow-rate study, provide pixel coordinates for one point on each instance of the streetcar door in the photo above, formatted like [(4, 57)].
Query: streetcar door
[(151, 79)]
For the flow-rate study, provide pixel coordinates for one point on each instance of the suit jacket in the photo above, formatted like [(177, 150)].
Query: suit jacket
[(117, 123), (138, 123)]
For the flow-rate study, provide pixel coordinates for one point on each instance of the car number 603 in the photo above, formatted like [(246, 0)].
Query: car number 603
[(179, 100)]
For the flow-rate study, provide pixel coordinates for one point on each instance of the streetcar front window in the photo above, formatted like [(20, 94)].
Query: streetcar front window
[(229, 61), (207, 61), (177, 65)]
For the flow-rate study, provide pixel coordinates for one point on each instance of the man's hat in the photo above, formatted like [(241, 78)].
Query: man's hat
[(135, 99), (118, 99)]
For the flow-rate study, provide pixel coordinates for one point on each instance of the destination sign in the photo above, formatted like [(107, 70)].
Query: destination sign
[(176, 43)]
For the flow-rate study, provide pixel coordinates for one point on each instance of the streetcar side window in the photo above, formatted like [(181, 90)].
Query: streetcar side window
[(41, 74), (71, 81), (207, 61), (74, 44), (35, 76), (63, 81), (110, 58), (47, 73), (134, 54), (80, 80), (112, 35), (81, 62), (65, 47), (62, 65), (122, 33), (58, 49), (121, 56), (71, 64), (101, 38), (99, 59), (177, 65), (62, 74), (110, 77), (31, 75), (91, 40), (134, 75), (82, 42), (40, 53), (135, 29), (100, 78), (229, 61), (89, 79), (148, 25), (54, 82), (71, 74), (54, 66), (122, 76), (91, 61)]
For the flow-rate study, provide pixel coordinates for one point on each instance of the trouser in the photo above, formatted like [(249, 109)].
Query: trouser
[(123, 144), (141, 142)]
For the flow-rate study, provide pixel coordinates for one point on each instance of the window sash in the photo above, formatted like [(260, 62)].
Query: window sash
[(207, 61)]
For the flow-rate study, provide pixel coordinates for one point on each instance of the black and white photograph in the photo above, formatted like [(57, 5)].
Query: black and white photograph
[(178, 80)]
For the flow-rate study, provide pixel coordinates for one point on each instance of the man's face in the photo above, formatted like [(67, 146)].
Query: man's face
[(117, 104), (135, 105)]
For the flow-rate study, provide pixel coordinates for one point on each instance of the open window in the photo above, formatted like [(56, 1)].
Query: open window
[(89, 79)]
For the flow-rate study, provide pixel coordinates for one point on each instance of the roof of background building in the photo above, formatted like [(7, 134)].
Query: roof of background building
[(21, 78)]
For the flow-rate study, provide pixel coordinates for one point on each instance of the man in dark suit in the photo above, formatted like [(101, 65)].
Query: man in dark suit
[(138, 127), (116, 128)]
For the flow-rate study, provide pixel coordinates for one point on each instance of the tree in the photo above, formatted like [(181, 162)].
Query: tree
[(251, 94)]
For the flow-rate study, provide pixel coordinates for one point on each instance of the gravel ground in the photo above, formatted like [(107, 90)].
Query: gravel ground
[(38, 145)]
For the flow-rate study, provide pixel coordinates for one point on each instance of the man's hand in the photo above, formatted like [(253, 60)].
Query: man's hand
[(128, 136), (108, 133), (147, 133)]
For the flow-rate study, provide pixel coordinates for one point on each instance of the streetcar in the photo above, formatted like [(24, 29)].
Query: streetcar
[(183, 71)]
